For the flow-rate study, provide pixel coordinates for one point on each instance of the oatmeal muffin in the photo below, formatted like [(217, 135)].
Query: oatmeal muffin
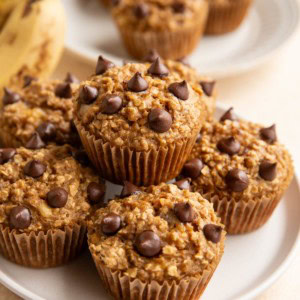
[(138, 122), (162, 242), (173, 27), (242, 169), (46, 197), (226, 15), (40, 108)]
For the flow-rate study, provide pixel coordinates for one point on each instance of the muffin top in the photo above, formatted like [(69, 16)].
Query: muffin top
[(238, 160), (45, 189), (160, 233), (40, 106), (141, 106), (157, 15)]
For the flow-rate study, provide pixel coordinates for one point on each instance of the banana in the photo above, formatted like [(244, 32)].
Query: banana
[(31, 39)]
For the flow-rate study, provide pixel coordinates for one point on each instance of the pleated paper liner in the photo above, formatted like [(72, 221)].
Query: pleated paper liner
[(123, 287), (223, 18), (42, 249), (117, 164), (169, 44)]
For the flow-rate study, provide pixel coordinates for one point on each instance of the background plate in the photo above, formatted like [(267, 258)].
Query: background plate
[(268, 26), (251, 263)]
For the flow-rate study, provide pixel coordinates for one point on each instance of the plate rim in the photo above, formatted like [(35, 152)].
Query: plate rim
[(232, 70), (18, 289)]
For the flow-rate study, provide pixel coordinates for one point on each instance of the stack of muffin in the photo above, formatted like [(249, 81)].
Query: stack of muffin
[(141, 125), (173, 27)]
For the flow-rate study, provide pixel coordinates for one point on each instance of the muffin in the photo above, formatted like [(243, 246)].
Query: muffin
[(162, 242), (226, 15), (242, 169), (40, 108), (172, 27), (46, 197), (138, 122)]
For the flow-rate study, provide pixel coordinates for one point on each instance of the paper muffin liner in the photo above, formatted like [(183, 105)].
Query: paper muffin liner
[(169, 44), (118, 164), (123, 287), (223, 18), (42, 249)]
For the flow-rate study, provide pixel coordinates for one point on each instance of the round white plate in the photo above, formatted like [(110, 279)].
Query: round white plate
[(251, 262), (268, 26)]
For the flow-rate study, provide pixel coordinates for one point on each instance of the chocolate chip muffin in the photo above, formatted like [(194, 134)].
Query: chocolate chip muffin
[(40, 110), (138, 122), (46, 197), (173, 27), (242, 169), (161, 241)]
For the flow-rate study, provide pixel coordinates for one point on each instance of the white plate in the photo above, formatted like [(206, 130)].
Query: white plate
[(269, 25), (251, 262)]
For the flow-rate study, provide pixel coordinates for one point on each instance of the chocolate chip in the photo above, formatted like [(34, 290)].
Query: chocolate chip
[(269, 134), (208, 87), (148, 243), (151, 56), (192, 168), (184, 184), (178, 7), (10, 97), (212, 233), (27, 80), (111, 104), (237, 180), (199, 138), (267, 170), (6, 154), (158, 68), (35, 142), (47, 131), (141, 10), (179, 90), (34, 169), (137, 83), (63, 90), (129, 189), (81, 157), (111, 224), (95, 192), (159, 120), (20, 217), (88, 94), (229, 115), (229, 146), (57, 197), (103, 65), (70, 78), (184, 212)]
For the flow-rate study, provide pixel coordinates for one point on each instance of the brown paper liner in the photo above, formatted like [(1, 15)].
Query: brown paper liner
[(169, 44), (42, 249), (118, 164), (227, 17)]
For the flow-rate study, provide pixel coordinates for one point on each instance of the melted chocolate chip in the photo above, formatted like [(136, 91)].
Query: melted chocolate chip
[(137, 83), (10, 97), (229, 115), (267, 170), (237, 180), (269, 134), (111, 104), (63, 90), (6, 154), (199, 138), (20, 217), (184, 212), (148, 243), (34, 168), (192, 168), (111, 224), (158, 68), (27, 80), (88, 94), (208, 87), (160, 120), (151, 56), (81, 157), (103, 65), (212, 233), (229, 146), (95, 192), (179, 90), (141, 10), (47, 131), (70, 78), (184, 184), (129, 189), (57, 197), (178, 7), (35, 142)]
